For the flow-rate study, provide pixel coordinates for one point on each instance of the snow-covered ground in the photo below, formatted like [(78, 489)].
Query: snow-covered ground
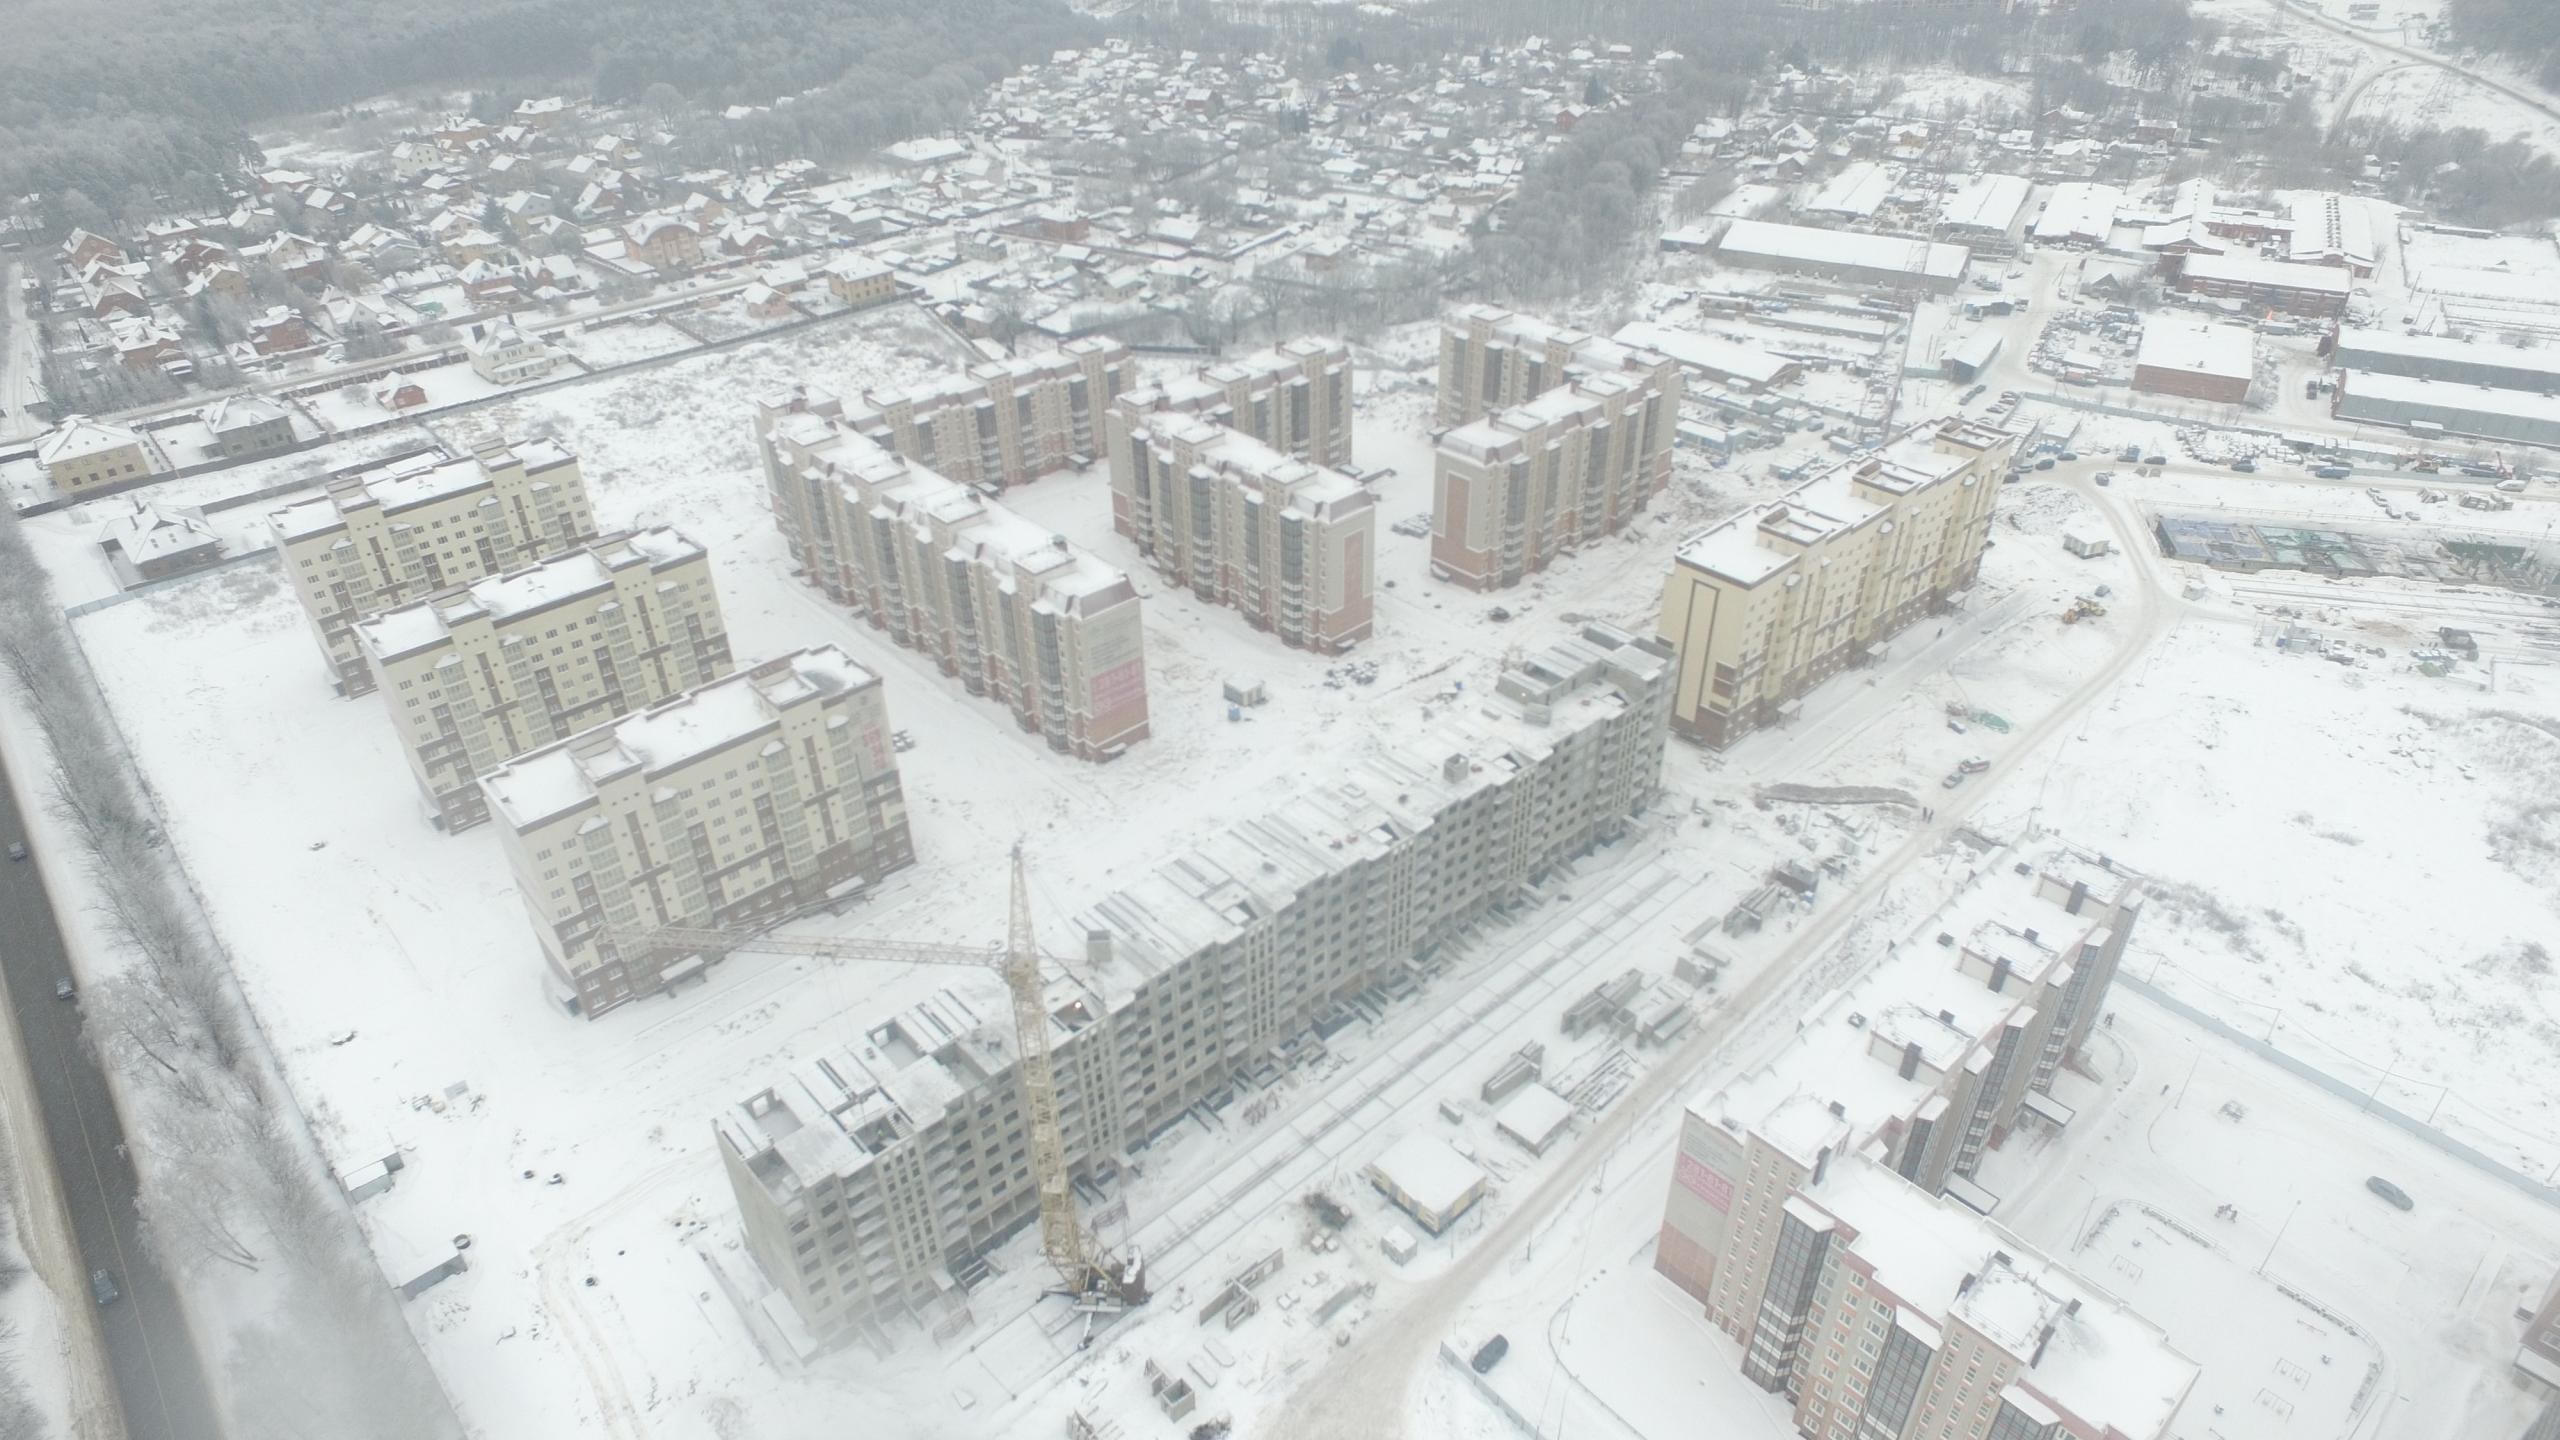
[(395, 971)]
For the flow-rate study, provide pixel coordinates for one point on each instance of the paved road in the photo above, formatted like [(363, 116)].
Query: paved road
[(157, 1373)]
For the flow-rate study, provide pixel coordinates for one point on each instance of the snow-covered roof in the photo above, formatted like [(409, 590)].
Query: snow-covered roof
[(557, 580), (1533, 1115), (1426, 1171), (2079, 210), (561, 777), (1727, 359), (1927, 1003), (143, 531), (2081, 1351), (2274, 274), (79, 436), (2223, 351), (1986, 203), (1807, 244)]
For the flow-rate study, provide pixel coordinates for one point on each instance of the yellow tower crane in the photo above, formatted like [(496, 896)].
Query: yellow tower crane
[(1088, 1272)]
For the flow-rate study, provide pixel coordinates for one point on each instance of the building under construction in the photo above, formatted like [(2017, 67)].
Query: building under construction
[(872, 1182)]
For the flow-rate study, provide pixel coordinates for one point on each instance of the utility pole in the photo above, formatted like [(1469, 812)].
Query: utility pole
[(2272, 1244)]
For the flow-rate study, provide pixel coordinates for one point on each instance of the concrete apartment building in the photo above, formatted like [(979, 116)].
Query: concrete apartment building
[(1012, 610), (1492, 359), (1772, 602), (1515, 489), (1898, 1085), (869, 1181), (394, 531), (1294, 397), (481, 673), (734, 805), (1291, 544), (1887, 1312), (1004, 423)]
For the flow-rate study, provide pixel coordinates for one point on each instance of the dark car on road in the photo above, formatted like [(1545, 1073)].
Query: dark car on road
[(102, 1283), (2398, 1197), (1490, 1354)]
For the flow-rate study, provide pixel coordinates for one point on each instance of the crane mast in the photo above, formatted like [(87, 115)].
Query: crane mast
[(1062, 1236), (1089, 1274)]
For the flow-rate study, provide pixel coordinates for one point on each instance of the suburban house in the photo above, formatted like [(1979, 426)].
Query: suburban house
[(504, 355)]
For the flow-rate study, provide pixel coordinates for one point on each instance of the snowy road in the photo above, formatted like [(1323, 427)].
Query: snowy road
[(1363, 1392), (18, 364)]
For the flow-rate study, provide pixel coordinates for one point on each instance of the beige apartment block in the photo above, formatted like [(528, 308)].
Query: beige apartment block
[(484, 672), (1512, 491), (756, 797), (1291, 544), (394, 531), (1888, 1312), (872, 1183), (1949, 1043), (1294, 397), (1012, 610), (1003, 423), (1774, 601), (1492, 359)]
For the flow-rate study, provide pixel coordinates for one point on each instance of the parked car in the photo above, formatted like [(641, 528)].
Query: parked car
[(1954, 779), (2398, 1197), (2511, 486), (2106, 477), (1490, 1354), (1974, 766), (2245, 467), (1956, 725), (102, 1283), (62, 987), (2333, 472), (17, 849), (2045, 464)]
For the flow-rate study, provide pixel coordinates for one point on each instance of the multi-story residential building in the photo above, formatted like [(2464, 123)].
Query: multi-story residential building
[(81, 456), (1010, 608), (1003, 423), (1884, 1312), (1492, 359), (1291, 544), (1768, 604), (867, 1181), (481, 673), (393, 531), (1927, 1062), (1513, 490), (1295, 398), (736, 804), (1950, 1041)]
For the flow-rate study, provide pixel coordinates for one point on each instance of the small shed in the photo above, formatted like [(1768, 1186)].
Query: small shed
[(1398, 1244), (1535, 1118), (1429, 1180), (2085, 540)]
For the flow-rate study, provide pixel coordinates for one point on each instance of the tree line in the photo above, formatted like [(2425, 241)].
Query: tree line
[(2527, 31), (166, 109)]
